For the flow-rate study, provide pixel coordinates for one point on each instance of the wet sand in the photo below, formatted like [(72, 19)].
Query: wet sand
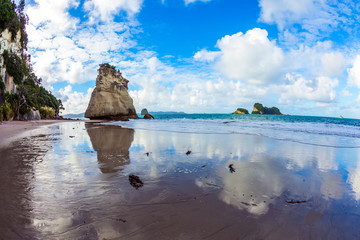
[(12, 130), (71, 181)]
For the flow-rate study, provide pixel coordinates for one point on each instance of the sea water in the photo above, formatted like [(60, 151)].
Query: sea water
[(320, 131)]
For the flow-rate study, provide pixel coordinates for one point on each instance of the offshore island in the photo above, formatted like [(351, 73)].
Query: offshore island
[(259, 109)]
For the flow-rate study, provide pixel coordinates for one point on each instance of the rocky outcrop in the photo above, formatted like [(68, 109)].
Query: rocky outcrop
[(32, 115), (241, 111), (148, 116), (144, 111), (260, 109), (110, 98)]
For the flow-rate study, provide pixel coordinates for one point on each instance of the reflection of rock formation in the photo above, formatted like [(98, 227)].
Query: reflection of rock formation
[(112, 145)]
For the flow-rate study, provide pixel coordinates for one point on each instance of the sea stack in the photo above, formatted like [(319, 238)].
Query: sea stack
[(110, 98)]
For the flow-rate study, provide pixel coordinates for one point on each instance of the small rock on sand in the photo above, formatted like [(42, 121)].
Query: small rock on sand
[(135, 181), (231, 168)]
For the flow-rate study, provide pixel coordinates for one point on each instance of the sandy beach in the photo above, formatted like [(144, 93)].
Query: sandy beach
[(13, 130), (72, 180)]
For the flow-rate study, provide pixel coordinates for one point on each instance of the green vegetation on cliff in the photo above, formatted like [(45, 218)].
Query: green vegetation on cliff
[(29, 92), (241, 111)]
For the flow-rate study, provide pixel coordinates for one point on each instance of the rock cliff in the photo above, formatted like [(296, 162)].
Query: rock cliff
[(12, 46), (110, 98), (21, 93)]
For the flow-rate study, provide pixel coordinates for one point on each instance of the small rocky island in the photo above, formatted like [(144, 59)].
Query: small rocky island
[(241, 111), (259, 109), (110, 98)]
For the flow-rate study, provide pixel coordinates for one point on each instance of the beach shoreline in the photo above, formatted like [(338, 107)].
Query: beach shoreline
[(13, 130), (76, 179)]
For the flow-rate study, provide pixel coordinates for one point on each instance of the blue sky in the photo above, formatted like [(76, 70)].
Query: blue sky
[(203, 56)]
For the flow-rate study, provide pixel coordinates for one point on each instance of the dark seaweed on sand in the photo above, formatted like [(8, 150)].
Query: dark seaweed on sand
[(135, 181), (231, 168)]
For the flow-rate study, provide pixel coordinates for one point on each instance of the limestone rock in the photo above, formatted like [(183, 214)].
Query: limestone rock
[(144, 111), (110, 98), (148, 116), (32, 115), (12, 46)]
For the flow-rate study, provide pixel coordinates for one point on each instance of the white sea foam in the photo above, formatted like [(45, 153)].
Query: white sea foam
[(323, 134)]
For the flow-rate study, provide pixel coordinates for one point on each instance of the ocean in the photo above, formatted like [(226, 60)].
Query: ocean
[(320, 131)]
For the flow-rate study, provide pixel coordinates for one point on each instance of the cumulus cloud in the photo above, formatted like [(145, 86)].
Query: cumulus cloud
[(69, 97), (72, 51), (297, 88), (308, 19), (333, 64), (317, 60), (354, 73), (304, 73), (206, 56), (285, 12), (163, 87), (251, 57), (52, 16), (105, 10)]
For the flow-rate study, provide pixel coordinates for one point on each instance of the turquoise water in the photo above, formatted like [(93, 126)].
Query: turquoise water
[(321, 131), (262, 118)]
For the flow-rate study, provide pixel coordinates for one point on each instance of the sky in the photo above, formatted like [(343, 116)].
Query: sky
[(203, 56)]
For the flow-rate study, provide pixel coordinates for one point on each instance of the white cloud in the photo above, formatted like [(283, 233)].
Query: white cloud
[(105, 10), (309, 20), (52, 16), (284, 12), (354, 73), (317, 60), (302, 73), (71, 52), (297, 88), (333, 64), (69, 97), (251, 57), (346, 93), (193, 1), (206, 56), (162, 87)]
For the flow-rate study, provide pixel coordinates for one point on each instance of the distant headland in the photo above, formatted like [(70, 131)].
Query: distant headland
[(259, 109)]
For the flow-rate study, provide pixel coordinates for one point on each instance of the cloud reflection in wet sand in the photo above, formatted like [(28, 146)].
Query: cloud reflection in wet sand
[(279, 189)]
